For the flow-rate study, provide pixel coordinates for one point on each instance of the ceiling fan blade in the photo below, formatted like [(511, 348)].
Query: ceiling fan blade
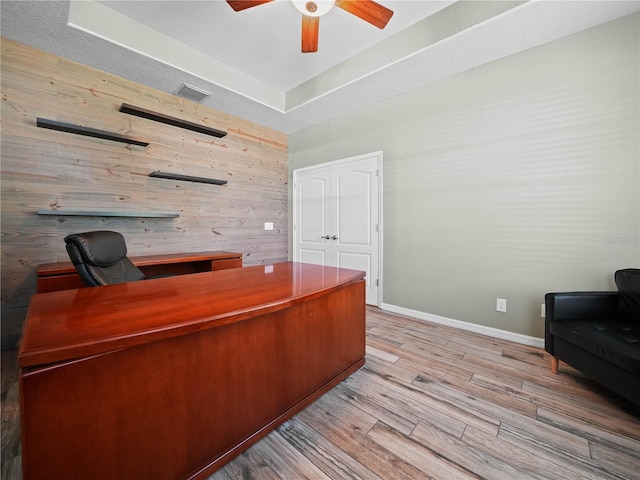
[(310, 28), (367, 10), (239, 5)]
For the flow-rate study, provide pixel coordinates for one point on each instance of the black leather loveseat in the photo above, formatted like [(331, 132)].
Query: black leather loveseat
[(598, 333)]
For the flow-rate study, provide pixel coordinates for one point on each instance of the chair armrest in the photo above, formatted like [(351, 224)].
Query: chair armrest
[(566, 306)]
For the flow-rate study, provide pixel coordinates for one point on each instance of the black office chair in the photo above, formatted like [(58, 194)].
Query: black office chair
[(100, 258)]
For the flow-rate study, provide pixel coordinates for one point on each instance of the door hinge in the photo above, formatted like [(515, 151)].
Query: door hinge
[(377, 282), (377, 227)]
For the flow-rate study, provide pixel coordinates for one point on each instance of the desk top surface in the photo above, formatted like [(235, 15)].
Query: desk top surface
[(71, 324)]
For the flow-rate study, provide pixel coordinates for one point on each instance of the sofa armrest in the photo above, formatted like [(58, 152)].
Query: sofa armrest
[(580, 305), (566, 306)]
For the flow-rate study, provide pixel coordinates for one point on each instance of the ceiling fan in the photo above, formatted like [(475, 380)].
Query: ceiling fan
[(367, 10)]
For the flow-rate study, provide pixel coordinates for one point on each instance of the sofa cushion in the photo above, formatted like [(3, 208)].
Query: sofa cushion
[(628, 283), (617, 342)]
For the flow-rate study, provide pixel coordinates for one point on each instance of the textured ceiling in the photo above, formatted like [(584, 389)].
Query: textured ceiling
[(250, 61)]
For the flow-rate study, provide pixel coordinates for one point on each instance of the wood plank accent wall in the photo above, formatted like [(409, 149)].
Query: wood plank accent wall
[(46, 169)]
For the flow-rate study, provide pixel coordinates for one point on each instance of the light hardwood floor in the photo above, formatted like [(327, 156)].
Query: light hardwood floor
[(431, 402)]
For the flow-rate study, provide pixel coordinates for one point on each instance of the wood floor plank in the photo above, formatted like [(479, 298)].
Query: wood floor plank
[(10, 422), (389, 336), (595, 428), (573, 450), (411, 403), (388, 370), (489, 350), (505, 367), (381, 354), (499, 382), (225, 473), (12, 468), (551, 399), (533, 356), (467, 457), (374, 400), (491, 400), (431, 402), (330, 408), (421, 332), (523, 460), (612, 459), (252, 467), (582, 465), (422, 458), (429, 406), (9, 362), (435, 366), (428, 350), (511, 421), (380, 317), (579, 400), (288, 462), (452, 333), (328, 457), (353, 440)]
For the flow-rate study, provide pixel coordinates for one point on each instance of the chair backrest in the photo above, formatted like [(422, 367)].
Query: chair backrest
[(100, 258)]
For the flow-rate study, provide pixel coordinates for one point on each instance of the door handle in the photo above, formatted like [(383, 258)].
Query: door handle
[(326, 237), (334, 238)]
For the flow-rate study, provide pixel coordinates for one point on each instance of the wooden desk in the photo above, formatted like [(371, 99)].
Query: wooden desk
[(52, 277), (172, 377)]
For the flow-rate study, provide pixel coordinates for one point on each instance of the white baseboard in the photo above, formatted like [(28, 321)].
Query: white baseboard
[(471, 327)]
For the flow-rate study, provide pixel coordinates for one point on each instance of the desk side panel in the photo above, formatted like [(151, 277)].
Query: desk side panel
[(181, 407), (59, 282)]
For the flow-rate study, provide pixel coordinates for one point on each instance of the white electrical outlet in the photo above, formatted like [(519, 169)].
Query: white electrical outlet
[(501, 305), (543, 311), (268, 225)]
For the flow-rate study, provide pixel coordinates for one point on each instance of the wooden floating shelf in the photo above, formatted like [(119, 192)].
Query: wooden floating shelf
[(79, 213), (187, 178), (176, 122), (88, 132)]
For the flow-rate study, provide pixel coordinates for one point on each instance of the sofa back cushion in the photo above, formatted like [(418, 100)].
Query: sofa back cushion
[(628, 283)]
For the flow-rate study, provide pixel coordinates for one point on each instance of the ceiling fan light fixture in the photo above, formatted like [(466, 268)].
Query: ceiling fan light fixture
[(313, 8)]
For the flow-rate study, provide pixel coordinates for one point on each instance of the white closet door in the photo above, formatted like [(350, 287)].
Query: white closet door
[(312, 199), (337, 218)]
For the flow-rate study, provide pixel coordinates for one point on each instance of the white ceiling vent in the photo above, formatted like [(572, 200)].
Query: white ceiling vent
[(192, 93)]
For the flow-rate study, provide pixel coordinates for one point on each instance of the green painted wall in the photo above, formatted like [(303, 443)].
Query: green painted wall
[(511, 180)]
